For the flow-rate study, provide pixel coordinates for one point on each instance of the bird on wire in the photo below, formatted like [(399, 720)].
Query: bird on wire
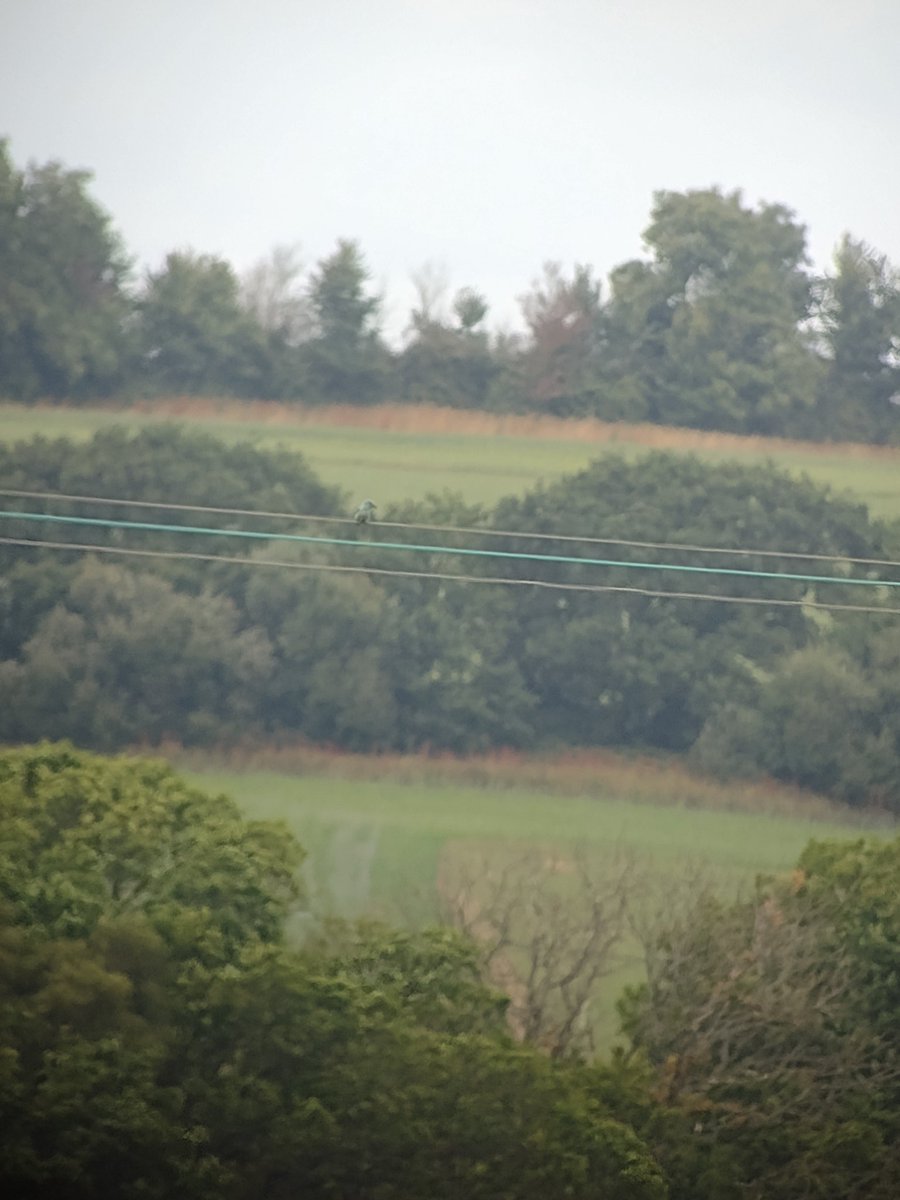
[(365, 513)]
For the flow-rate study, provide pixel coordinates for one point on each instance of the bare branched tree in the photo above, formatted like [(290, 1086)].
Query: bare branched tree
[(748, 1018), (431, 284), (271, 291), (549, 926)]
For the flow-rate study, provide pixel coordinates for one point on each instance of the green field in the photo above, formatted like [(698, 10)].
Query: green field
[(376, 846), (396, 465)]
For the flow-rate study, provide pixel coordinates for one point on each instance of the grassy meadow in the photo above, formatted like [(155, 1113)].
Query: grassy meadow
[(395, 453), (381, 834)]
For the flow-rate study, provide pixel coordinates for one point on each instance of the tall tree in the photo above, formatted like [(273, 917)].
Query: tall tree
[(271, 290), (562, 362), (273, 293), (725, 296), (346, 359), (63, 270), (195, 335), (859, 312)]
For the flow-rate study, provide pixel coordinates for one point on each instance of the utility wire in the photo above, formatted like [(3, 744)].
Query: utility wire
[(516, 555), (463, 529), (445, 577)]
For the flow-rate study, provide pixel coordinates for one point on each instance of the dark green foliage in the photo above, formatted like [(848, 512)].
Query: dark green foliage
[(456, 686), (449, 364), (733, 282), (331, 678), (63, 309), (857, 884), (345, 361), (195, 337), (823, 720), (859, 311), (634, 669), (159, 1038), (124, 658)]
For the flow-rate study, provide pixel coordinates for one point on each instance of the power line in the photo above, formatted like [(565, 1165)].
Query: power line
[(455, 529), (445, 577), (514, 555)]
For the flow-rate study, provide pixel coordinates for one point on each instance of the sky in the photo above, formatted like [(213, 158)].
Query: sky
[(481, 137)]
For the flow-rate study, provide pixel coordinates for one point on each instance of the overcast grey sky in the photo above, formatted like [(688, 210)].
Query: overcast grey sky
[(485, 135)]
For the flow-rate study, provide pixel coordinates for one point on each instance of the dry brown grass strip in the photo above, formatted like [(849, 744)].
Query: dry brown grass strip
[(603, 774), (435, 420)]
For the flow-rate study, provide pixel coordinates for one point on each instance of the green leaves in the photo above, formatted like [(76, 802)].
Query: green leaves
[(89, 839), (195, 335), (62, 274), (715, 319), (344, 361), (859, 312)]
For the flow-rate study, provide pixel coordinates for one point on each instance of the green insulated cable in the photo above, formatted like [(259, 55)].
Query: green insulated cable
[(151, 527)]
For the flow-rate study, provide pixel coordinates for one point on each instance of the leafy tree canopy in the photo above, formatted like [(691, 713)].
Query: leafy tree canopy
[(63, 269), (161, 1039)]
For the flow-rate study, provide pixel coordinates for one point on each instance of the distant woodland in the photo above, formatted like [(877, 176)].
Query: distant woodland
[(722, 326)]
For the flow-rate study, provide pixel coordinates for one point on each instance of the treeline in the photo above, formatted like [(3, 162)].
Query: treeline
[(723, 326), (109, 650), (162, 1036)]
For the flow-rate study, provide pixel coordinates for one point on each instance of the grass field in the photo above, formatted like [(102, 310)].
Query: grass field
[(377, 846), (396, 453)]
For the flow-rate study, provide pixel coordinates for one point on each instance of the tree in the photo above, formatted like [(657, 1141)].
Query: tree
[(346, 361), (823, 719), (90, 840), (163, 464), (331, 678), (769, 1025), (125, 657), (119, 884), (470, 308), (859, 314), (563, 362), (63, 270), (273, 295), (549, 927), (625, 668), (270, 292), (447, 361), (195, 335), (455, 684), (722, 301)]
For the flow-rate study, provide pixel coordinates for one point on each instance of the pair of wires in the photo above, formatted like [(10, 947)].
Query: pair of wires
[(146, 526), (478, 531)]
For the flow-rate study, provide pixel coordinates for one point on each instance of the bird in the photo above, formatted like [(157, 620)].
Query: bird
[(365, 513)]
